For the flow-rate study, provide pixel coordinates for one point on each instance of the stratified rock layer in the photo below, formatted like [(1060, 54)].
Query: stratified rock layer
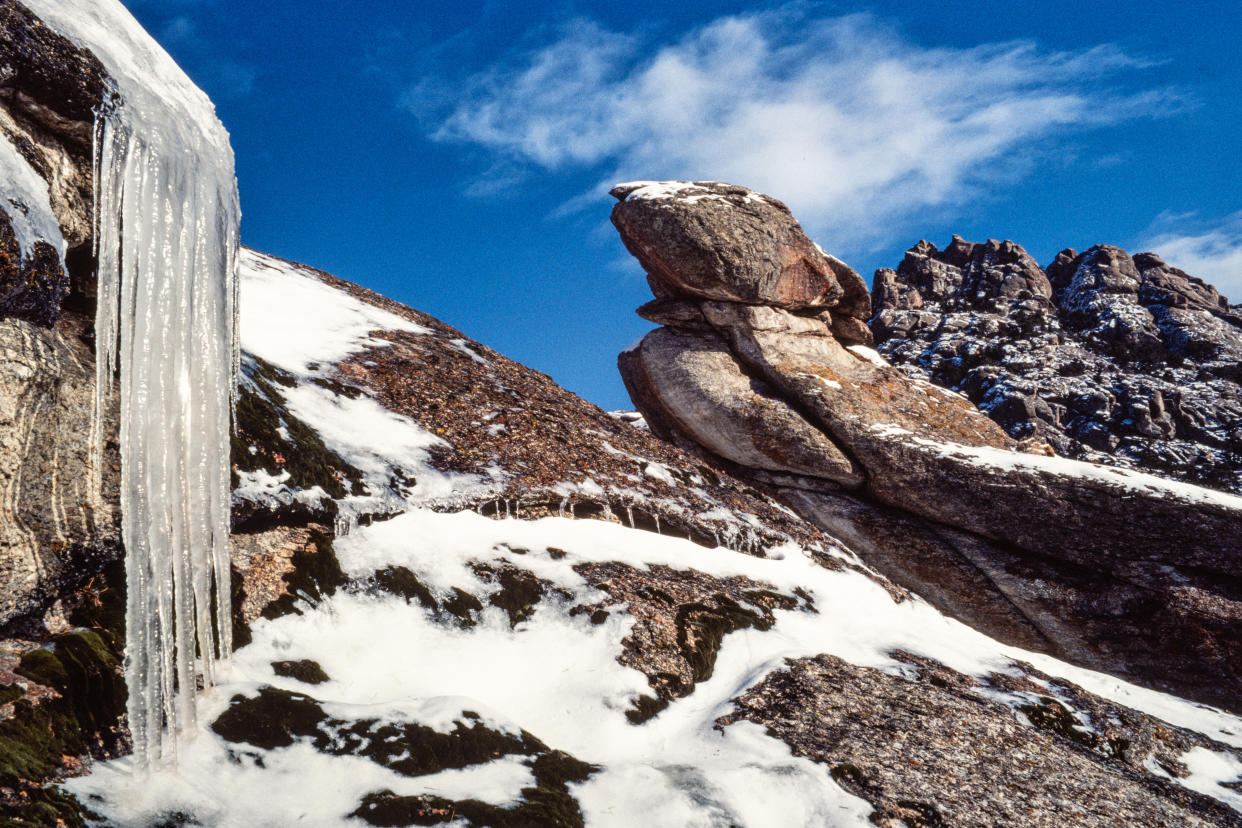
[(754, 371), (1110, 358)]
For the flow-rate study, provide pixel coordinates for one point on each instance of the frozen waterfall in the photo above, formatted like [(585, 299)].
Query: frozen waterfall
[(167, 237)]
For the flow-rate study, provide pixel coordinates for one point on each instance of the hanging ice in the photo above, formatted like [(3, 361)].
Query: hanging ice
[(167, 236)]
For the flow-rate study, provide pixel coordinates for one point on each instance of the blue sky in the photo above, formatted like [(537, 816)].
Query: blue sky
[(455, 155)]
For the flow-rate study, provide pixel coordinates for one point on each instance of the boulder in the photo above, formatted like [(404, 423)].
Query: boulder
[(717, 241), (702, 398)]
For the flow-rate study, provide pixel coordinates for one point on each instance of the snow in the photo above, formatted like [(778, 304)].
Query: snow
[(227, 787), (1008, 461), (295, 321), (1208, 770), (27, 203), (271, 492), (462, 346), (378, 442), (298, 323), (868, 355), (688, 192), (557, 676)]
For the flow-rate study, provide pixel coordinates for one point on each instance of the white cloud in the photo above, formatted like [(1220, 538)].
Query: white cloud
[(843, 118), (1211, 251)]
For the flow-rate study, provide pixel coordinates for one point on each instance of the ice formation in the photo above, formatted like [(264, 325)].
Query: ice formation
[(167, 237)]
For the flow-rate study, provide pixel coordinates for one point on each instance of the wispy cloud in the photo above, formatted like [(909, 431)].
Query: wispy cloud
[(1211, 250), (844, 118)]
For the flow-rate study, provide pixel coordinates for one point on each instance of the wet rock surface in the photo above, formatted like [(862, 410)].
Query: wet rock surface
[(1109, 358)]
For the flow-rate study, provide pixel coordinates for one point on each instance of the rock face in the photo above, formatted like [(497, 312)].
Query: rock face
[(1109, 358), (55, 531), (913, 476)]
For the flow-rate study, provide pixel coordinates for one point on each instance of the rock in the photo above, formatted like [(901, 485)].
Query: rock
[(916, 757), (54, 531), (716, 241), (32, 287), (709, 402), (1120, 360), (50, 91), (930, 491)]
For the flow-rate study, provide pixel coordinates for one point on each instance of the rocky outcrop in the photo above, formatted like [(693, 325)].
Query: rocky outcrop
[(1109, 358), (922, 485), (917, 759)]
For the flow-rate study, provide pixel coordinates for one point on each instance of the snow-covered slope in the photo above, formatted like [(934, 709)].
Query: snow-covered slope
[(523, 667)]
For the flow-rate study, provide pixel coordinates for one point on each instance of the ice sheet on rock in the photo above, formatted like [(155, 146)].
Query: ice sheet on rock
[(167, 219), (1005, 461), (27, 203), (293, 320)]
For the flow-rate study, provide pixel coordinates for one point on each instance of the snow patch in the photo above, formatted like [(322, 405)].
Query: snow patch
[(295, 321), (27, 203)]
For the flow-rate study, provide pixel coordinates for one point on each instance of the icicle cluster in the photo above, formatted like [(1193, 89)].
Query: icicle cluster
[(167, 255), (167, 220)]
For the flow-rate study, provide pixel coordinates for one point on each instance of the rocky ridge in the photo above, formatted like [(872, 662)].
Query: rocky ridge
[(776, 384), (1109, 358)]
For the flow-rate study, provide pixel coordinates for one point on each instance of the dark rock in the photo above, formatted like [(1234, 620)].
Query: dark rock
[(1126, 361), (32, 287), (50, 91)]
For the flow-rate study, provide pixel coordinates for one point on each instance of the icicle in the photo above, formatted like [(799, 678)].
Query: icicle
[(607, 511), (561, 509), (507, 515), (166, 240), (629, 511), (657, 523), (573, 505)]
